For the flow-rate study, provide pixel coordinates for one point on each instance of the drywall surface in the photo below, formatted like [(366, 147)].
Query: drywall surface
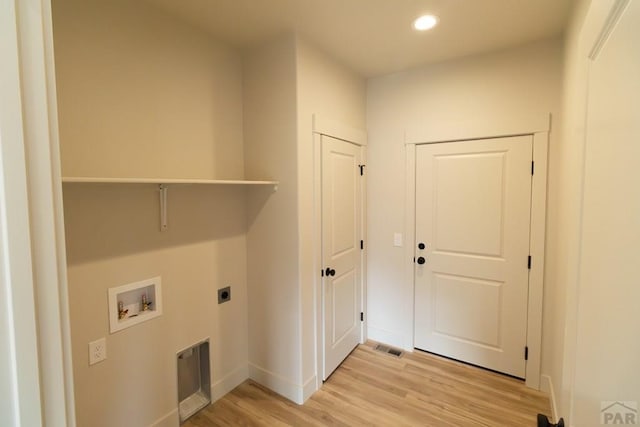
[(600, 356), (565, 211), (143, 95), (113, 239), (496, 88), (272, 233), (329, 90)]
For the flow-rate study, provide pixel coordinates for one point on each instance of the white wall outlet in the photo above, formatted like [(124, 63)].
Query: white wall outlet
[(97, 351), (397, 239)]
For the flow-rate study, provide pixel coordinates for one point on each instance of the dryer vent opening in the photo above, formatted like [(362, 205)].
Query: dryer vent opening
[(194, 381)]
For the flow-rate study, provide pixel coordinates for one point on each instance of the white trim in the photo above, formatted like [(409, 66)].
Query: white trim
[(39, 108), (546, 386), (410, 243), (473, 129), (278, 383), (363, 253), (309, 387), (229, 382), (387, 337), (538, 224), (171, 419), (537, 252), (617, 10), (339, 130), (317, 255), (20, 367)]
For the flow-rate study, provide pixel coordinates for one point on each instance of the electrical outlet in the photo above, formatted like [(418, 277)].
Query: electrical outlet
[(97, 351), (224, 294)]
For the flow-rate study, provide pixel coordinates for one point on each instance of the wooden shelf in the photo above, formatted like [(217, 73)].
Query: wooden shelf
[(164, 181), (163, 186)]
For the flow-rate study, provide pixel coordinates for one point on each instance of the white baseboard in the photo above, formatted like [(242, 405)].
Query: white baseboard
[(218, 390), (278, 384), (169, 420), (229, 382), (546, 385), (310, 386), (386, 337)]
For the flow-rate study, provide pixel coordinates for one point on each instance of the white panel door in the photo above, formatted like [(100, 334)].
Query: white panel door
[(473, 203), (341, 222)]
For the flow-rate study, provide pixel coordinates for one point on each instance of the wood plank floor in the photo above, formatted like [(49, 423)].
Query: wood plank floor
[(373, 388)]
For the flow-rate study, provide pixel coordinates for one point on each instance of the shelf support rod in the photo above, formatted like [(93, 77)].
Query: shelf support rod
[(163, 206)]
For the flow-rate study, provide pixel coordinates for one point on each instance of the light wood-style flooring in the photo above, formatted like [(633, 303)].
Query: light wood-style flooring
[(373, 388)]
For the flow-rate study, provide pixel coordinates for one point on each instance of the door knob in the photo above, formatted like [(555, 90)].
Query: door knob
[(421, 245), (421, 260), (329, 272)]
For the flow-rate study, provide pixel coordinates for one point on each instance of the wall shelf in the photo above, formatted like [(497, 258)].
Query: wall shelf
[(163, 186), (163, 181)]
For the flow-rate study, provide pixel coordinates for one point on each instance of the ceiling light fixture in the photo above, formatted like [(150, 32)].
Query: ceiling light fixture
[(425, 22)]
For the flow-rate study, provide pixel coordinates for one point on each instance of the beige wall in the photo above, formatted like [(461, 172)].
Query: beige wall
[(143, 95), (329, 90), (493, 87), (272, 239)]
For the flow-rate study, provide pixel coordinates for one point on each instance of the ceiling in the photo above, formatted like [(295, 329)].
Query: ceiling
[(375, 37)]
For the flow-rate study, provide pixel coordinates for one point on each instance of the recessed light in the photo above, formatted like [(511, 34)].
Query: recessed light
[(425, 22)]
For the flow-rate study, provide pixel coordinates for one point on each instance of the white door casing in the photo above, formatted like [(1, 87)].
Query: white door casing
[(473, 203), (537, 125), (341, 252)]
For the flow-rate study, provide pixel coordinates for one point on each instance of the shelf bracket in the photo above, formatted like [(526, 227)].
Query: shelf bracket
[(163, 206)]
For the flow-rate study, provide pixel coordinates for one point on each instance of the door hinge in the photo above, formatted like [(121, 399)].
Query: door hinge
[(532, 166), (361, 316), (361, 169), (526, 353), (529, 262), (361, 244)]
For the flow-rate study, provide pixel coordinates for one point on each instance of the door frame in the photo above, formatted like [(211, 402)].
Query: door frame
[(323, 126), (41, 369), (538, 127)]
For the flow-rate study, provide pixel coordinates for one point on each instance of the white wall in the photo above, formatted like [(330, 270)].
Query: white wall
[(286, 82), (492, 87), (602, 293), (566, 210), (327, 89), (143, 95), (272, 238)]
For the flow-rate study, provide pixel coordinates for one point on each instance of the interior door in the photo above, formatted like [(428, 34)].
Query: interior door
[(341, 229), (473, 202)]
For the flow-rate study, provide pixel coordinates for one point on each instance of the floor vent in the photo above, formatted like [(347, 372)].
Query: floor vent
[(389, 350)]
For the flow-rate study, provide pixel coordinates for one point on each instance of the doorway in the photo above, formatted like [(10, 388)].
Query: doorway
[(473, 207), (341, 195), (537, 127)]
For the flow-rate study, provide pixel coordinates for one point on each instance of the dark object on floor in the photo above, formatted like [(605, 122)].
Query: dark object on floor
[(543, 421)]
